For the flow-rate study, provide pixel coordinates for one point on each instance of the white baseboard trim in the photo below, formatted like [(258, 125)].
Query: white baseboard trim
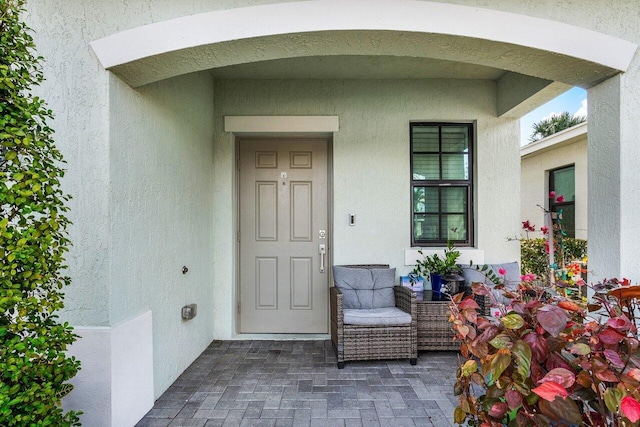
[(114, 388), (132, 370)]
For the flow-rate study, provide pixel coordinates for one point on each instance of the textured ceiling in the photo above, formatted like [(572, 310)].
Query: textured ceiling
[(357, 67)]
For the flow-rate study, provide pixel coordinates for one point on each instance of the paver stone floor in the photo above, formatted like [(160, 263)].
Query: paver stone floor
[(297, 383)]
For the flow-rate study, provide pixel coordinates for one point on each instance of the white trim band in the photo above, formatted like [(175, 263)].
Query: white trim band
[(281, 124)]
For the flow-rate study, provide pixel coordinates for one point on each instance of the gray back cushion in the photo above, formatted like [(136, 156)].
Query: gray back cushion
[(511, 279), (366, 288), (471, 275)]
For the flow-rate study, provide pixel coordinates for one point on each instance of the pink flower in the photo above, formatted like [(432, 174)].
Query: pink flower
[(528, 278), (544, 229), (546, 246), (502, 271), (552, 195), (560, 199)]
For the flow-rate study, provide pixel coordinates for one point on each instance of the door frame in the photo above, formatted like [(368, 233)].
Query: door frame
[(284, 136)]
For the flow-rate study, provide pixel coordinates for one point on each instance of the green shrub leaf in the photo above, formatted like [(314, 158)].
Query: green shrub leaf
[(512, 321), (500, 362), (522, 355), (580, 349), (612, 398)]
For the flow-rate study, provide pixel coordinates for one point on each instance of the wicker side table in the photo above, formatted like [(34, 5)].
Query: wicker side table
[(434, 330)]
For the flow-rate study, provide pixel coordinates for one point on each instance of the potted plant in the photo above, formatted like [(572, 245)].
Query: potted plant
[(438, 268), (547, 361)]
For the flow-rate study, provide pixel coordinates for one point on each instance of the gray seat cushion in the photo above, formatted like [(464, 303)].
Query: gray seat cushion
[(511, 279), (366, 288), (376, 316)]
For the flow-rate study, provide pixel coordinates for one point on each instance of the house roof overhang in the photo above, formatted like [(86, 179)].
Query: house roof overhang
[(548, 56), (564, 137)]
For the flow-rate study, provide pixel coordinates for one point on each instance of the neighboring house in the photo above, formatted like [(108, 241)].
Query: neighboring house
[(255, 142), (559, 163)]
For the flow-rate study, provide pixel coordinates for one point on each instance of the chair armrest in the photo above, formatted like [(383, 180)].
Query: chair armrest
[(406, 300), (337, 305)]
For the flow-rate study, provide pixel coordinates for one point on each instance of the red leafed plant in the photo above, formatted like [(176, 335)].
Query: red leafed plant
[(547, 361)]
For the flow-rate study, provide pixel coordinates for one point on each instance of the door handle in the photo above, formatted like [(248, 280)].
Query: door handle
[(323, 250)]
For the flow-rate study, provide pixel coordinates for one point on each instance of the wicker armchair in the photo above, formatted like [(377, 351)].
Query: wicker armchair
[(372, 342), (484, 301)]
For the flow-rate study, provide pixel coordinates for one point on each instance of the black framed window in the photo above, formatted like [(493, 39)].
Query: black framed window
[(563, 182), (441, 184)]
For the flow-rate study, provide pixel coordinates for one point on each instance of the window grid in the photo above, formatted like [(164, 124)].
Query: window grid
[(437, 140)]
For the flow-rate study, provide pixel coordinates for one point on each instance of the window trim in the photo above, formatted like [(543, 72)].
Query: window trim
[(468, 183)]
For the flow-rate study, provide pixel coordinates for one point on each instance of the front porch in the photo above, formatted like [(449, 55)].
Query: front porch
[(153, 170), (297, 383)]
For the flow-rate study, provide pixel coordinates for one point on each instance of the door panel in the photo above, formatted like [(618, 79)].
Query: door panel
[(283, 206), (266, 283), (301, 219), (266, 210), (301, 283)]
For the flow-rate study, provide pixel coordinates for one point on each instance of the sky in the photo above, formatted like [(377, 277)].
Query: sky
[(574, 101)]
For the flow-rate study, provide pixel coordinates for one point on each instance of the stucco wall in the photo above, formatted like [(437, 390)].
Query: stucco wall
[(619, 18), (535, 182), (63, 30), (614, 108), (97, 121), (630, 179), (162, 214), (374, 117), (371, 164), (76, 90)]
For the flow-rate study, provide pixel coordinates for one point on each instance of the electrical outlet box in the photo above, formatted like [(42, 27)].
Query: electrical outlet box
[(189, 311)]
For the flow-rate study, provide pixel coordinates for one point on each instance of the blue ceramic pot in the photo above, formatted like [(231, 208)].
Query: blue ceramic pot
[(436, 282)]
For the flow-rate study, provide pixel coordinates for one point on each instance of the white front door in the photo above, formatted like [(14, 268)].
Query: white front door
[(283, 228)]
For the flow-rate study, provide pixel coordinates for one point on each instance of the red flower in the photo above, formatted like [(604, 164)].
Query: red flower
[(560, 199), (574, 268), (552, 195), (544, 229), (502, 271), (526, 225)]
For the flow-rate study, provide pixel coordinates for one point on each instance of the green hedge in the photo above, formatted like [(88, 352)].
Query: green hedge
[(34, 369), (535, 259)]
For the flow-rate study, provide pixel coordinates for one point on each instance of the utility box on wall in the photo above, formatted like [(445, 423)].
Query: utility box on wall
[(189, 311)]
